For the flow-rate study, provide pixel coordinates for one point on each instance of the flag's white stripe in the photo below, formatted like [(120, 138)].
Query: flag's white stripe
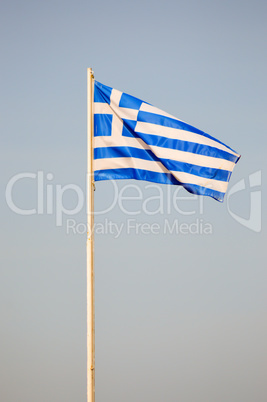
[(166, 153), (126, 113), (185, 178), (108, 141), (118, 163), (194, 159), (176, 134), (102, 108), (152, 109), (122, 112)]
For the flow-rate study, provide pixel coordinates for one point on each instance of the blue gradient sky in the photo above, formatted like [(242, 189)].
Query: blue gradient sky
[(179, 317)]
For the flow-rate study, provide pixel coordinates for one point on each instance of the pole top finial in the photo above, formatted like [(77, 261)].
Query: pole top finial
[(90, 71)]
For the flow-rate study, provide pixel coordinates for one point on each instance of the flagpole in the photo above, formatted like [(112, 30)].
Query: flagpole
[(90, 244)]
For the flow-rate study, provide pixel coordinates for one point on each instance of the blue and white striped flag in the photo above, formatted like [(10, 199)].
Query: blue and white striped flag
[(134, 140)]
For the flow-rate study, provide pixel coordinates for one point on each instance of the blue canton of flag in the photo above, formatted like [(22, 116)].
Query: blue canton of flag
[(134, 140)]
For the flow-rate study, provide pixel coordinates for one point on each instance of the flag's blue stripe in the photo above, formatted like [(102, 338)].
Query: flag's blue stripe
[(172, 165), (165, 121), (162, 178), (124, 152), (180, 145)]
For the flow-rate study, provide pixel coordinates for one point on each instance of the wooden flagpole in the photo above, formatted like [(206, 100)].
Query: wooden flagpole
[(90, 244)]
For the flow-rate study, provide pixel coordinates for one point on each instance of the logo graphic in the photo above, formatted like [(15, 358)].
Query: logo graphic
[(254, 220), (54, 199)]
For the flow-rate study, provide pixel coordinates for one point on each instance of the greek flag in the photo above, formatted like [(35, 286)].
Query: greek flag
[(135, 140)]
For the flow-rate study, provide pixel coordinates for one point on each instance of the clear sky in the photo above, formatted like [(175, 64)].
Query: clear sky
[(180, 315)]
